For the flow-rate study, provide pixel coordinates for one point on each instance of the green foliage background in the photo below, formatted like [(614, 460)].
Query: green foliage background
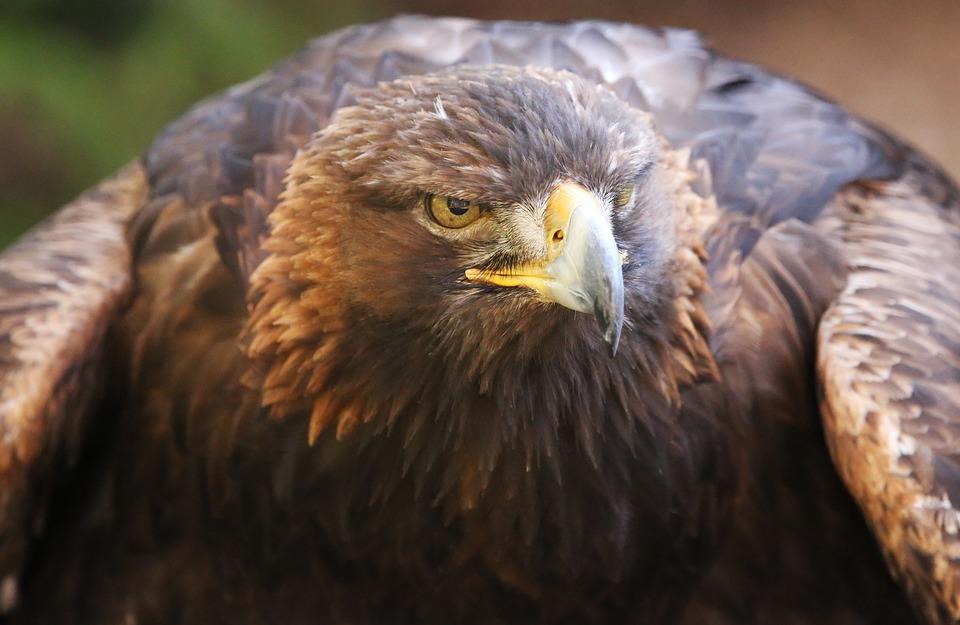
[(85, 84)]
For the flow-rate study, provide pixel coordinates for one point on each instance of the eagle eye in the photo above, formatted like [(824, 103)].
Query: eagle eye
[(624, 195), (451, 212)]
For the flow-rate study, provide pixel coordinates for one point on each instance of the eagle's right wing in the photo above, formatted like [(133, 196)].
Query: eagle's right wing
[(61, 286)]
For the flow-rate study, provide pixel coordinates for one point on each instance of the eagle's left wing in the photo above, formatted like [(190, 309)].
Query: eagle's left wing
[(889, 369)]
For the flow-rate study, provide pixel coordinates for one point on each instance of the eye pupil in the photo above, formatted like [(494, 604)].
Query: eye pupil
[(457, 207)]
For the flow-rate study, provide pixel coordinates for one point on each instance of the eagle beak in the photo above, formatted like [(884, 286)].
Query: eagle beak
[(583, 267)]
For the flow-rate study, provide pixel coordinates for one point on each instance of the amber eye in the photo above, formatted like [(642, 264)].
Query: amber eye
[(451, 212), (624, 196)]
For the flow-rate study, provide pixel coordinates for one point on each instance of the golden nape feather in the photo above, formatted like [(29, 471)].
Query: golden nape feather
[(449, 321)]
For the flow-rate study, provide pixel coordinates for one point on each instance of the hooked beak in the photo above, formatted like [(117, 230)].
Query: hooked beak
[(582, 269)]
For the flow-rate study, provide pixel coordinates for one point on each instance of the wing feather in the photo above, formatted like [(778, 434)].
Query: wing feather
[(60, 287), (889, 367)]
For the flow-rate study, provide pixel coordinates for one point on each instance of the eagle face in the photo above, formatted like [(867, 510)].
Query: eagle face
[(476, 196)]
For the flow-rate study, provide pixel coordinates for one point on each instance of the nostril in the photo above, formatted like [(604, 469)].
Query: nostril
[(558, 236)]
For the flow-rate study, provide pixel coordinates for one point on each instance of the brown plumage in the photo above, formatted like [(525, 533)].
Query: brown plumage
[(256, 377)]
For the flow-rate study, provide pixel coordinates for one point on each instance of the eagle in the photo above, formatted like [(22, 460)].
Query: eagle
[(450, 321)]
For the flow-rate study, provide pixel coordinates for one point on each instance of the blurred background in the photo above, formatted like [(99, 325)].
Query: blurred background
[(85, 84)]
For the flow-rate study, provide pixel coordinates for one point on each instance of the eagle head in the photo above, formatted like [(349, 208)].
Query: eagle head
[(473, 291)]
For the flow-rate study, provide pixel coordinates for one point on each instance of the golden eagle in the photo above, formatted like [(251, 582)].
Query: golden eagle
[(452, 321)]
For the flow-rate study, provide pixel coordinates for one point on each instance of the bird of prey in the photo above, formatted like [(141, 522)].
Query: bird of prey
[(447, 321)]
